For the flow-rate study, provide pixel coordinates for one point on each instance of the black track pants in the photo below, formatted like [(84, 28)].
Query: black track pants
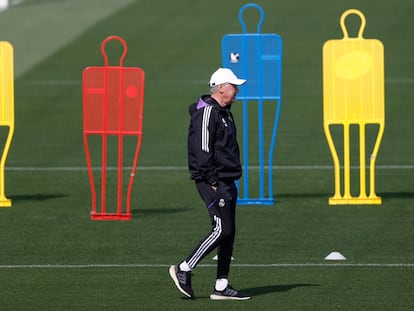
[(221, 205)]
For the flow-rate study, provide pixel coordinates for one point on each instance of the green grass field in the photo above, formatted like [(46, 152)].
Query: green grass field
[(53, 257)]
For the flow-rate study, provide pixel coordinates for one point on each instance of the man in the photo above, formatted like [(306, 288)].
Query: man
[(214, 164)]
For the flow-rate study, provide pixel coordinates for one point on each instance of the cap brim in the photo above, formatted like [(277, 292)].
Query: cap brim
[(238, 82)]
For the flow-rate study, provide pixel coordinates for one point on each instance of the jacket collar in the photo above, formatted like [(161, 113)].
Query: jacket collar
[(207, 100)]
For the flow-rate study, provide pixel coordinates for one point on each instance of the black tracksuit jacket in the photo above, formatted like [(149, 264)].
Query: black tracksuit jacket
[(213, 152)]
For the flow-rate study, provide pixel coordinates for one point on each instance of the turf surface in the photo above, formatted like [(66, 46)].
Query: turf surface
[(54, 257)]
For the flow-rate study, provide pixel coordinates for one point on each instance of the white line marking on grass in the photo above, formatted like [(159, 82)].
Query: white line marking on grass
[(170, 82), (399, 81), (326, 265), (329, 167), (274, 265), (182, 168), (57, 82)]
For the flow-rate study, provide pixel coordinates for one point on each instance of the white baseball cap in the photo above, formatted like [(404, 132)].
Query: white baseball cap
[(224, 75)]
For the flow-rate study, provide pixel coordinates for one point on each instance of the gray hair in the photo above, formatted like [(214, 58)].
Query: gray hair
[(214, 88)]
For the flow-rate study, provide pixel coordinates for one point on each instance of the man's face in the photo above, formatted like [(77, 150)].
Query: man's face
[(228, 92)]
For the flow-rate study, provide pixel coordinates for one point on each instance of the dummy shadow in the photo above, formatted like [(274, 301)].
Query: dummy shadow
[(396, 195), (263, 290), (157, 211), (384, 195), (283, 196), (36, 197)]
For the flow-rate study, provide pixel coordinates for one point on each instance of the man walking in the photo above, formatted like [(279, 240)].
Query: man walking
[(214, 164)]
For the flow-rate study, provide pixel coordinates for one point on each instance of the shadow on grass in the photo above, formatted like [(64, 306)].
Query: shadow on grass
[(157, 211), (36, 197), (396, 195), (302, 195), (263, 290), (385, 195)]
